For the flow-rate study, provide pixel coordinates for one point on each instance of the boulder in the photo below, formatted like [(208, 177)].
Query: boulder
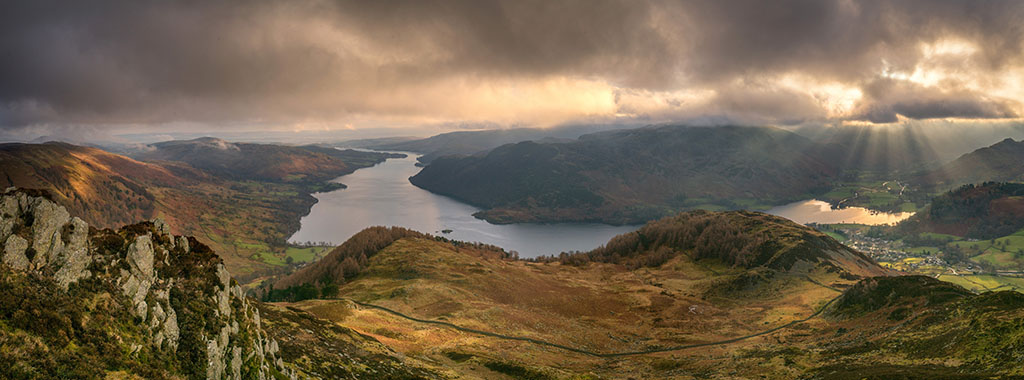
[(73, 260), (14, 253), (140, 257), (47, 220)]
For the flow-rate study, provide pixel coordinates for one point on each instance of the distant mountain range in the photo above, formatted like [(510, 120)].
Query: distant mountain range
[(905, 148), (261, 162), (634, 175), (1003, 161), (474, 142)]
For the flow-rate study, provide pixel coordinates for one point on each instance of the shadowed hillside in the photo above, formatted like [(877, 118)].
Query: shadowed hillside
[(473, 142), (986, 211), (999, 162), (633, 175)]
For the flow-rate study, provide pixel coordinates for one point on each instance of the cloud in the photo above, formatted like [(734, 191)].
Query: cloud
[(515, 62), (886, 99)]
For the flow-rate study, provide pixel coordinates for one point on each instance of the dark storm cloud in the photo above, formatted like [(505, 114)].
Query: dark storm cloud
[(887, 98), (97, 62)]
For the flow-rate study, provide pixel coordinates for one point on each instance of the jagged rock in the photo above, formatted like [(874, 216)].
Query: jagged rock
[(64, 248), (10, 212), (171, 329), (73, 260), (14, 253), (47, 220), (236, 363), (183, 243), (224, 295), (136, 289), (158, 314), (162, 227), (215, 351), (140, 257)]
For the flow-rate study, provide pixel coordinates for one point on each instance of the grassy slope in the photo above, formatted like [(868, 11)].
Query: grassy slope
[(599, 307), (696, 295), (882, 329), (607, 308)]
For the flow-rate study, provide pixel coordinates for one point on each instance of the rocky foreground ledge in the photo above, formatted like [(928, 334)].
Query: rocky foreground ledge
[(78, 302)]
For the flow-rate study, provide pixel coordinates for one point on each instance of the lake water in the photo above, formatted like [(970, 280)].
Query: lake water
[(382, 196), (815, 211)]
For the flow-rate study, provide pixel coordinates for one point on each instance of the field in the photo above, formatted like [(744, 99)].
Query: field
[(985, 283), (874, 194)]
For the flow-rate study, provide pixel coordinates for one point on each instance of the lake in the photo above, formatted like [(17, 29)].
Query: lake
[(382, 196), (815, 211)]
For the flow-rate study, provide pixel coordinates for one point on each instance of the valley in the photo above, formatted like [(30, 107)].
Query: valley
[(382, 196), (512, 190)]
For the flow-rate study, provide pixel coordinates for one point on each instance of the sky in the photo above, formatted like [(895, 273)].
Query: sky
[(94, 68)]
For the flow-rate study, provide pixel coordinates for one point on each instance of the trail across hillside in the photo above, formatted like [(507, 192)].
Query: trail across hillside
[(599, 354)]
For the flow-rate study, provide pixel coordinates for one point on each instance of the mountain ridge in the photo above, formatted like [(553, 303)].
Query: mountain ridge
[(607, 177)]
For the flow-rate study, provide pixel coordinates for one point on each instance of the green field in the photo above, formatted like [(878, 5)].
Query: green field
[(303, 255), (923, 250), (870, 192), (835, 235), (983, 283)]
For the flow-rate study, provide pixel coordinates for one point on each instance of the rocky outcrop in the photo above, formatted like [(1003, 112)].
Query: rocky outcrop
[(40, 235), (14, 252), (177, 290)]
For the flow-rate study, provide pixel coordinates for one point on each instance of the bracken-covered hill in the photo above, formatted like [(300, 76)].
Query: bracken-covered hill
[(697, 295), (737, 238), (103, 188)]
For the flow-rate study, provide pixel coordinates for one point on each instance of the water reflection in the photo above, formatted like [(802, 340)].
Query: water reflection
[(382, 195), (815, 211)]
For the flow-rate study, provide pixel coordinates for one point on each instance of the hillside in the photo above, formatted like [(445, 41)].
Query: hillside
[(635, 175), (104, 188), (986, 211), (902, 148), (1000, 162), (276, 163), (139, 302), (736, 238), (245, 219), (697, 295), (473, 142), (612, 306)]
